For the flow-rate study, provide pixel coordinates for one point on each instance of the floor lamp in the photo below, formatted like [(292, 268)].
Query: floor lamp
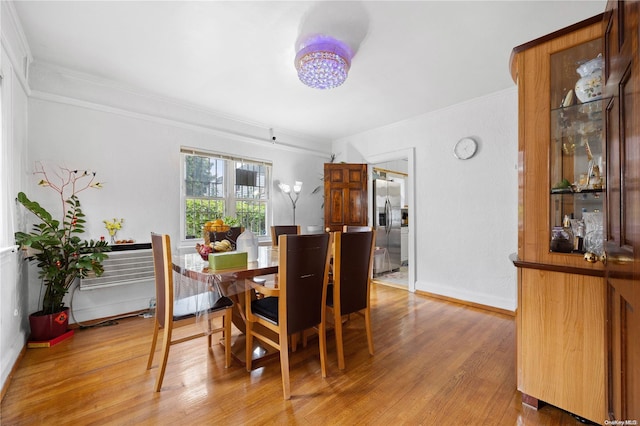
[(297, 187)]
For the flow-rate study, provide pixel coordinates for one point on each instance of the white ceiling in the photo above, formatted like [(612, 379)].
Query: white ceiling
[(235, 58)]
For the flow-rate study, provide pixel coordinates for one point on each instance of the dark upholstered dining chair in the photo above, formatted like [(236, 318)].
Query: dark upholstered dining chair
[(172, 313), (295, 303), (349, 291), (278, 230)]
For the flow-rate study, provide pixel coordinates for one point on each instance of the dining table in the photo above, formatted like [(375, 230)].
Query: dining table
[(231, 283)]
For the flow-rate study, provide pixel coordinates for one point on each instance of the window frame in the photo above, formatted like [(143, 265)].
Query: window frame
[(229, 198)]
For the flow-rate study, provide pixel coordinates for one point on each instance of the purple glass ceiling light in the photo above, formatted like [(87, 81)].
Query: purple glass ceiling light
[(323, 62)]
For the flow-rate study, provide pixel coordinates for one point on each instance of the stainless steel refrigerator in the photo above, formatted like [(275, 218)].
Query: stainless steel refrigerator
[(387, 222)]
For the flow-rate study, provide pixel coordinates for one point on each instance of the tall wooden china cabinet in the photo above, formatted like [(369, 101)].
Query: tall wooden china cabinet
[(578, 259), (561, 314)]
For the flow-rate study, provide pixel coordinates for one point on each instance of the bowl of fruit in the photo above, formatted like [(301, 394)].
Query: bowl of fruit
[(214, 247)]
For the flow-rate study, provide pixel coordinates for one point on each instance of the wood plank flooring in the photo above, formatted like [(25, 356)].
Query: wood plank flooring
[(436, 363)]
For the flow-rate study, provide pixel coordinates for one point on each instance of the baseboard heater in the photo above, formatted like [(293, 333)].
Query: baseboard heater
[(127, 264)]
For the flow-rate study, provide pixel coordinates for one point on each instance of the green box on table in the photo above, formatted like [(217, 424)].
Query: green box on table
[(227, 260)]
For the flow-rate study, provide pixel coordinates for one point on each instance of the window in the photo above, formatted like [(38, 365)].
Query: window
[(220, 186)]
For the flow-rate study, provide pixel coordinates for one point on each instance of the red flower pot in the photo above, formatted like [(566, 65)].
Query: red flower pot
[(48, 326)]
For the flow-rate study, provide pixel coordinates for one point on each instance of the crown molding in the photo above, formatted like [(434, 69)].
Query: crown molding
[(222, 133), (59, 84)]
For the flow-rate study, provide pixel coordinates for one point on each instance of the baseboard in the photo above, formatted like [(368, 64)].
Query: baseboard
[(388, 284), (467, 303), (7, 382)]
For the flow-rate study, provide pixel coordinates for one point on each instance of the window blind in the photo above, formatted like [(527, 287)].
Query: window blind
[(203, 153)]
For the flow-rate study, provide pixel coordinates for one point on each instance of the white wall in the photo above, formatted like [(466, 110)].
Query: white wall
[(465, 223)]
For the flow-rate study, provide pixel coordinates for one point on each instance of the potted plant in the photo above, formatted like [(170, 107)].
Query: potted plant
[(61, 254)]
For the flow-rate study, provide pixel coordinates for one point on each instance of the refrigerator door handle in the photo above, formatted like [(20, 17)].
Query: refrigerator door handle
[(387, 213)]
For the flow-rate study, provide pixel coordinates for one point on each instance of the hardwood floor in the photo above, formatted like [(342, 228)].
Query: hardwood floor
[(436, 363)]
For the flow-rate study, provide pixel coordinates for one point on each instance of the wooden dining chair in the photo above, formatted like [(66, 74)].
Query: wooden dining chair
[(349, 291), (295, 304), (278, 230), (354, 228), (172, 313)]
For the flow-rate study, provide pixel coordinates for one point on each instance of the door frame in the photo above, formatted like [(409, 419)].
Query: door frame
[(401, 154)]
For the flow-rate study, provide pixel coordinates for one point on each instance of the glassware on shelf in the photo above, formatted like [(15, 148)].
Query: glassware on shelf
[(576, 164), (577, 229), (561, 241), (593, 239), (593, 243)]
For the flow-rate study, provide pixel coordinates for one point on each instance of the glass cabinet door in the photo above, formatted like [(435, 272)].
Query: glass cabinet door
[(576, 169)]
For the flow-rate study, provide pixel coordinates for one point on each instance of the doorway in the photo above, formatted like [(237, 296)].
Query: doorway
[(390, 219), (396, 167)]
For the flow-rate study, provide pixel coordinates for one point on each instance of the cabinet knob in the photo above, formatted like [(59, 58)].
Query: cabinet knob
[(593, 258)]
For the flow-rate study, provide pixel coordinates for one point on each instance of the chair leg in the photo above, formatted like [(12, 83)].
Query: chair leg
[(209, 334), (367, 323), (166, 344), (284, 366), (337, 319), (305, 337), (227, 338), (322, 337), (156, 326), (248, 344)]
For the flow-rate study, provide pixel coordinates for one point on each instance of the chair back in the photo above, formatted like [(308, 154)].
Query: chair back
[(278, 230), (161, 249), (352, 269), (304, 267), (354, 228)]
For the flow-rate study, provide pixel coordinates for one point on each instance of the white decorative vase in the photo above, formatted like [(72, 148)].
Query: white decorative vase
[(247, 241), (589, 87)]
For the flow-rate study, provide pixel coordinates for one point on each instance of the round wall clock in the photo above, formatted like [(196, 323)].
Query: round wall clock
[(465, 148)]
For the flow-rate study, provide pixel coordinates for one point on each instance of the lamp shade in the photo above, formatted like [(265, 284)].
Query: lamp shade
[(323, 62), (285, 188)]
